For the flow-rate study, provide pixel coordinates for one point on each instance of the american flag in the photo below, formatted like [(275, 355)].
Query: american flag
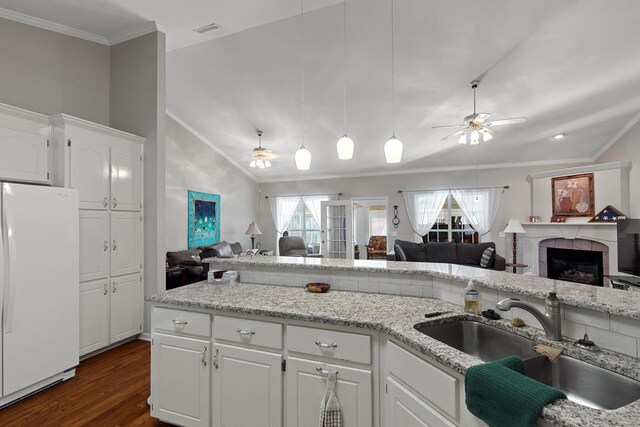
[(608, 214)]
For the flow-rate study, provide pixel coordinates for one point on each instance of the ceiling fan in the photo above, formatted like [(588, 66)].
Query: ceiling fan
[(476, 128), (260, 157)]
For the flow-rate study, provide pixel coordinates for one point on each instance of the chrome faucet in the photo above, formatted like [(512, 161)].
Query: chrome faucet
[(551, 320)]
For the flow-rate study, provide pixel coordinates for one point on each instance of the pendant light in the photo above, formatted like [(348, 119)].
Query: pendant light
[(393, 147), (345, 144), (302, 156)]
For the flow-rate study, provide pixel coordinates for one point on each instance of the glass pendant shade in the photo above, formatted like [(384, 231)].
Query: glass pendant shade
[(393, 150), (303, 159), (463, 139), (486, 136), (345, 147), (252, 164), (474, 138)]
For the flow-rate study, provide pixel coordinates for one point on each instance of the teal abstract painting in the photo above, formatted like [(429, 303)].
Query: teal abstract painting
[(204, 218)]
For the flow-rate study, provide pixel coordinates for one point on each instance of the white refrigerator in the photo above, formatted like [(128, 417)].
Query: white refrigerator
[(38, 287)]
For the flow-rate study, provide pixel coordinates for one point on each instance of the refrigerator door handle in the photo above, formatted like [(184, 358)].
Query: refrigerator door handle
[(8, 262)]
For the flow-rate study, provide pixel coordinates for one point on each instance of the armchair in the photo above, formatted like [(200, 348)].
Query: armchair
[(294, 246), (377, 247)]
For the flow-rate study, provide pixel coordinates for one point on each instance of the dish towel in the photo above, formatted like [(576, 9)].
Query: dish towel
[(499, 394), (330, 410)]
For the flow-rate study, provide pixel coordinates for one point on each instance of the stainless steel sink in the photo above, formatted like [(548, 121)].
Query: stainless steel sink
[(480, 340), (583, 383)]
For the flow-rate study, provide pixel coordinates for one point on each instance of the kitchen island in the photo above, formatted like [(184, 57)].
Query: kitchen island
[(386, 321)]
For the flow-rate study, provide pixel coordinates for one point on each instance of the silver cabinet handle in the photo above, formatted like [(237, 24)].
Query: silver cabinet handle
[(115, 202), (215, 359), (204, 356), (323, 371), (326, 345), (245, 332), (114, 287), (105, 291), (105, 202), (106, 246), (114, 246), (179, 322)]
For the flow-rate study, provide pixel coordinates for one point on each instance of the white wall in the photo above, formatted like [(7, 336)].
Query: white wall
[(53, 73), (192, 165)]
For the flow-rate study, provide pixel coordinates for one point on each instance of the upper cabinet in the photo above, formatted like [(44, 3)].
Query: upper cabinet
[(104, 164), (24, 145)]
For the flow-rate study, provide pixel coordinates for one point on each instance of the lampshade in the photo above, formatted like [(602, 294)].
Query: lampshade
[(345, 147), (393, 150), (514, 226), (253, 229), (303, 159)]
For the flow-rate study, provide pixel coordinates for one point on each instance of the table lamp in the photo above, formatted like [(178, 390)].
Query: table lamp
[(515, 228), (252, 231)]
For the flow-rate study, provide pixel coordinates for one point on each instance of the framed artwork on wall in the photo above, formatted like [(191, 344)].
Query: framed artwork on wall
[(572, 195), (204, 218)]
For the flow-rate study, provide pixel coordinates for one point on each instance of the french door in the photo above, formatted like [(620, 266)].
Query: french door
[(337, 230)]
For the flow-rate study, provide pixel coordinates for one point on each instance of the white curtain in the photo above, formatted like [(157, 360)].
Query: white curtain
[(480, 206), (282, 209), (423, 208), (314, 204)]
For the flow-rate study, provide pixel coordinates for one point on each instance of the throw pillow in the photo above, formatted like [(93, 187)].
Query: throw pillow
[(487, 257)]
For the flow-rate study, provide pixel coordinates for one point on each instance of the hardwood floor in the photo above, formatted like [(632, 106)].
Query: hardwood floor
[(110, 389)]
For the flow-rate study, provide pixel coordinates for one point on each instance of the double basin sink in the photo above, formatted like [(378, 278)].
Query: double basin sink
[(583, 383)]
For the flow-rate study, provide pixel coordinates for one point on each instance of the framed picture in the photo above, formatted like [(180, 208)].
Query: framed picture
[(558, 218), (572, 195), (204, 218), (535, 219)]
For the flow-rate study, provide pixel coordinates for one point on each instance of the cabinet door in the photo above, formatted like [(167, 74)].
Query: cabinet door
[(180, 380), (94, 316), (94, 245), (126, 177), (404, 409), (126, 316), (126, 243), (24, 148), (305, 388), (247, 388), (89, 171)]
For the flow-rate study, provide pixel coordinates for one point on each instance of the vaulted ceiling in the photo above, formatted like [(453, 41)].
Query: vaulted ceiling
[(570, 66)]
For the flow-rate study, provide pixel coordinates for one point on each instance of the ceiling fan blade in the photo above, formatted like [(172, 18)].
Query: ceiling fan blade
[(460, 132), (503, 122), (448, 127), (481, 118), (489, 131)]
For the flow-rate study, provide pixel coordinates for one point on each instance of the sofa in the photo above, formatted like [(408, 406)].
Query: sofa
[(448, 252), (295, 246), (191, 259)]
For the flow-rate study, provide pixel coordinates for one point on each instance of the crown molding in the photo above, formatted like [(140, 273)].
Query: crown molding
[(123, 36), (65, 119), (580, 169)]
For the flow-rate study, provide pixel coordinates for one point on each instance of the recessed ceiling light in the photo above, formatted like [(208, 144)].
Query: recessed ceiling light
[(559, 136), (210, 27)]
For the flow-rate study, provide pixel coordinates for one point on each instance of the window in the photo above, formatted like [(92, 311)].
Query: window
[(304, 225), (452, 225), (377, 221)]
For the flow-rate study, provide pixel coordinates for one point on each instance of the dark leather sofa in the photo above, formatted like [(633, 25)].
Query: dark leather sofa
[(196, 270), (447, 252)]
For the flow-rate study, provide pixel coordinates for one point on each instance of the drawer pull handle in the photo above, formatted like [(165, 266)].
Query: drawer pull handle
[(215, 359), (245, 332), (324, 372), (204, 356), (326, 345), (179, 322)]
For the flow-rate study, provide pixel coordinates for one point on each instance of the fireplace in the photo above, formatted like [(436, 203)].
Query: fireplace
[(573, 265)]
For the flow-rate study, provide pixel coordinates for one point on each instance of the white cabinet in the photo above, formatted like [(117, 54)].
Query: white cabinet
[(305, 388), (126, 177), (405, 409), (247, 387), (89, 171), (181, 380), (125, 307), (94, 245), (126, 243), (94, 315), (24, 144)]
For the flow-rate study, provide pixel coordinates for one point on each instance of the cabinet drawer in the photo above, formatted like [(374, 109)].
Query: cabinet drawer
[(181, 322), (333, 344), (254, 332), (438, 387)]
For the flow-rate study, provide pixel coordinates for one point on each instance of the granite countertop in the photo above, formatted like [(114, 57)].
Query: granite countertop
[(395, 316), (597, 298)]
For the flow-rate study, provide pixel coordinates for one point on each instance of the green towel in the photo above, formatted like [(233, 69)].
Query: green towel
[(499, 394)]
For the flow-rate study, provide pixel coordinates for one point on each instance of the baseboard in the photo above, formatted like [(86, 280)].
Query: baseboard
[(145, 336)]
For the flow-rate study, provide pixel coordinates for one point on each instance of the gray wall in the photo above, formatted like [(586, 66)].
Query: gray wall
[(137, 93), (52, 73), (193, 165)]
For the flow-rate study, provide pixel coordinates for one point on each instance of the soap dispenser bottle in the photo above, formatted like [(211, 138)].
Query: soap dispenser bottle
[(471, 299)]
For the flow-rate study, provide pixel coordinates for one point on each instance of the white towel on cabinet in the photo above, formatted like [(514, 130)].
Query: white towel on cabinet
[(330, 410)]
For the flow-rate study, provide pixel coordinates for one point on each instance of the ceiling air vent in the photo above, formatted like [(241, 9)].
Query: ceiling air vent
[(211, 27)]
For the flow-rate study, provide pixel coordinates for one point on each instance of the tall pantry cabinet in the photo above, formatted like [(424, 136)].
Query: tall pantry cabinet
[(105, 165)]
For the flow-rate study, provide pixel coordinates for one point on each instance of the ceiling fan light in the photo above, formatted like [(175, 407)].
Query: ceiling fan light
[(486, 136), (252, 164), (462, 139), (303, 159), (474, 138), (345, 148), (393, 150), (267, 164)]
